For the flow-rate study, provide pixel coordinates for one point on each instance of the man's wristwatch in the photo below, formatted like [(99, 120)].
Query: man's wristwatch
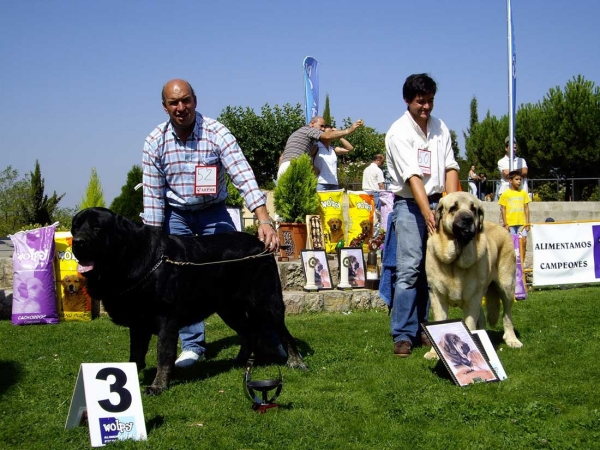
[(265, 222)]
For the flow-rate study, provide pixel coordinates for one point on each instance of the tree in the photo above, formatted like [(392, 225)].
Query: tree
[(129, 203), (64, 217), (559, 136), (485, 144), (263, 138), (295, 195), (12, 192), (93, 197), (37, 207), (367, 142), (326, 111)]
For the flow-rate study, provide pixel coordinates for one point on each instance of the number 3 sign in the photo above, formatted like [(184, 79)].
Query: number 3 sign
[(110, 393)]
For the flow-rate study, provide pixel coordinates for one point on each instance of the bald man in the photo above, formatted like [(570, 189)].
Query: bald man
[(305, 139), (184, 163)]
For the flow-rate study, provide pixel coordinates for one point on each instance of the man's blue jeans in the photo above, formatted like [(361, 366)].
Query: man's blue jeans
[(212, 220), (410, 305)]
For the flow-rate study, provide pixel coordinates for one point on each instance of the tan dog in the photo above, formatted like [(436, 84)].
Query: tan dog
[(74, 296), (335, 227), (468, 258)]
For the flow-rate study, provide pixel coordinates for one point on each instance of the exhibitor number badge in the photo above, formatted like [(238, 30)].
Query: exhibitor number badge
[(206, 180)]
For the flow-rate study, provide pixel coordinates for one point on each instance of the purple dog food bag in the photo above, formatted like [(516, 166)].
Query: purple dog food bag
[(34, 295), (520, 288)]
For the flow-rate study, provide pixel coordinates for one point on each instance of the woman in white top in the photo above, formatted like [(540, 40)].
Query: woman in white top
[(325, 162), (472, 178)]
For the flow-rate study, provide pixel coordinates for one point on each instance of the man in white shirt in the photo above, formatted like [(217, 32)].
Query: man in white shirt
[(421, 165), (519, 164), (373, 179)]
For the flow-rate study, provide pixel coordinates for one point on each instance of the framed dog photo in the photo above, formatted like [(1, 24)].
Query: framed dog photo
[(316, 269), (454, 344), (351, 267)]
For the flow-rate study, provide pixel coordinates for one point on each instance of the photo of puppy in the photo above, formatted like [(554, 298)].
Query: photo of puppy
[(336, 229), (468, 364), (321, 276), (74, 296), (356, 273), (30, 294)]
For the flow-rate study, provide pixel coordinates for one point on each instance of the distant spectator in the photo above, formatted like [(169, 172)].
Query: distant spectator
[(325, 161), (373, 180), (472, 179), (482, 186), (514, 208), (519, 164)]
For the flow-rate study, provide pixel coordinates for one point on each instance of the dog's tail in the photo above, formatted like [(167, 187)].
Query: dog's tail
[(492, 304)]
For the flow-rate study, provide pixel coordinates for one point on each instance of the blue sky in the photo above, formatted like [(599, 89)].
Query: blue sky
[(80, 81)]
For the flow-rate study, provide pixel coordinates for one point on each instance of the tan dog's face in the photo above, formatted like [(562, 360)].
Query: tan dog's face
[(335, 225), (366, 226), (72, 283), (459, 215)]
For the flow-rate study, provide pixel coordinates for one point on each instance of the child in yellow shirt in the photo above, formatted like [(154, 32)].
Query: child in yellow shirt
[(514, 207)]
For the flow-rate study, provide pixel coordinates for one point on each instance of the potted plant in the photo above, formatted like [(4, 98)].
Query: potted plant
[(295, 197)]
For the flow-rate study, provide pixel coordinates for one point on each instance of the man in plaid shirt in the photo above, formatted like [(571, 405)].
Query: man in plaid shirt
[(184, 165)]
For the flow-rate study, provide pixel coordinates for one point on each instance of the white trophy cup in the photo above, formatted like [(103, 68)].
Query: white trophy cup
[(344, 264)]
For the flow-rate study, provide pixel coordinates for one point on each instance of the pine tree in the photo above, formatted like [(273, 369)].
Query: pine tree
[(130, 202), (326, 111), (37, 207), (93, 197)]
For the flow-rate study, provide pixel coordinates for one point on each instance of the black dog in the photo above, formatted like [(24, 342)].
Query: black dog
[(133, 269)]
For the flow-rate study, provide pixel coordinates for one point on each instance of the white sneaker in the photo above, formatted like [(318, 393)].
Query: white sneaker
[(188, 359)]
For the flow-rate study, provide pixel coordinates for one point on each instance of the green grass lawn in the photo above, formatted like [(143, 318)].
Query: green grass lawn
[(355, 395)]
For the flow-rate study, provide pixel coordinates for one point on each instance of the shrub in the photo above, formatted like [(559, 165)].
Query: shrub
[(295, 195)]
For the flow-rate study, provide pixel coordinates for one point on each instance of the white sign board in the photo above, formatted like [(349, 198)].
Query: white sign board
[(491, 353), (110, 394), (566, 253)]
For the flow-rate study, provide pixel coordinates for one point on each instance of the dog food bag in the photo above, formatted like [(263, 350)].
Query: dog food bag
[(333, 218), (74, 302), (34, 299), (386, 199), (520, 288), (361, 208)]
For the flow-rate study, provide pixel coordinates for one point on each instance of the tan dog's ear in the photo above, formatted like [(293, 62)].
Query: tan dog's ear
[(479, 218), (82, 281), (329, 222), (439, 212), (65, 281)]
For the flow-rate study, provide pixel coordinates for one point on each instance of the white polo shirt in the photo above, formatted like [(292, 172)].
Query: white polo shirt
[(518, 164), (371, 178), (411, 153)]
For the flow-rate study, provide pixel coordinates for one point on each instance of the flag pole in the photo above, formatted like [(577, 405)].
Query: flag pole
[(511, 86)]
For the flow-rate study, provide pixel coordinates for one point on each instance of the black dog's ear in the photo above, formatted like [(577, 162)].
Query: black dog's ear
[(439, 212)]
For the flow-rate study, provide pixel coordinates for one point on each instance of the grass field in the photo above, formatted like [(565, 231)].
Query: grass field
[(355, 395)]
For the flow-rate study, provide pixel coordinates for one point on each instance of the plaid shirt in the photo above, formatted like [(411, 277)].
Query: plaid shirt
[(169, 168)]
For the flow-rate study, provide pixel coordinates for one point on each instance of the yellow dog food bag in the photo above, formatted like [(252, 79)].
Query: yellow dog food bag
[(74, 302), (332, 217), (361, 209)]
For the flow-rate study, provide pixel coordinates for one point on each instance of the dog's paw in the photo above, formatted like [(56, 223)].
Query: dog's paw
[(431, 355), (154, 390), (514, 343), (297, 365)]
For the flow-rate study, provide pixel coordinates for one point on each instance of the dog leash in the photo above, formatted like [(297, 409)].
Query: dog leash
[(164, 258), (188, 263)]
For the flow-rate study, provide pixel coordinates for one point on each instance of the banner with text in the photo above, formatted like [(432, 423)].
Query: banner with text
[(311, 87), (566, 253)]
